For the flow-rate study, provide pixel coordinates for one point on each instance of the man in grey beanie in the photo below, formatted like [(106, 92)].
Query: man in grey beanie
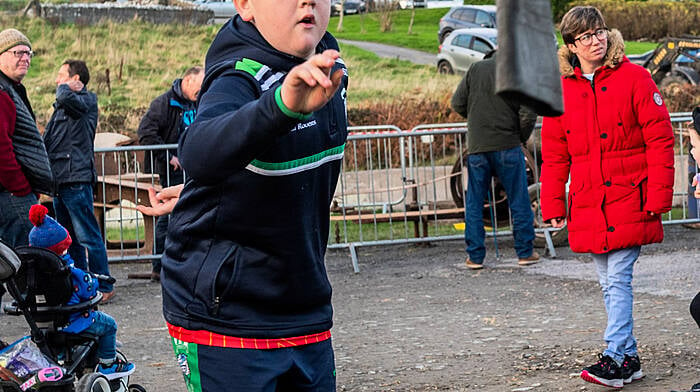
[(24, 165)]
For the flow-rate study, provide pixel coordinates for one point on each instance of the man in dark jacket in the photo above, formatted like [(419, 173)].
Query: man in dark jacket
[(497, 128), (69, 140), (167, 117), (24, 166)]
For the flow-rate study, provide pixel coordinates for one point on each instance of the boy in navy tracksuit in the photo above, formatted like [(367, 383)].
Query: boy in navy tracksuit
[(245, 291)]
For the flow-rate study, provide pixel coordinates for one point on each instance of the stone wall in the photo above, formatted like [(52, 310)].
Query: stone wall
[(92, 13)]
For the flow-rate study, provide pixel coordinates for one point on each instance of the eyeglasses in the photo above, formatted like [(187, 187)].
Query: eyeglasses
[(21, 53), (587, 39)]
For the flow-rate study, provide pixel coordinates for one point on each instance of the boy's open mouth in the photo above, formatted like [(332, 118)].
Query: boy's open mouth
[(308, 19)]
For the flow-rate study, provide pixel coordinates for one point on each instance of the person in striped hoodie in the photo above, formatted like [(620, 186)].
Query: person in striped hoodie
[(246, 296)]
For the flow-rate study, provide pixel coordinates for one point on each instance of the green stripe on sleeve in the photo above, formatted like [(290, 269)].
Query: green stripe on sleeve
[(301, 162), (285, 109), (248, 65)]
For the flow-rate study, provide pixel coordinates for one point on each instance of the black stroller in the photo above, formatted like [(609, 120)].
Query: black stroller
[(40, 284)]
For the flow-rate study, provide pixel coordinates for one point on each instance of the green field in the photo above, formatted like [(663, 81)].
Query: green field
[(143, 59), (423, 35)]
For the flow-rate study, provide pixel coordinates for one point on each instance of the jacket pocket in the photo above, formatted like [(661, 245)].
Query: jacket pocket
[(217, 275), (60, 166), (573, 191)]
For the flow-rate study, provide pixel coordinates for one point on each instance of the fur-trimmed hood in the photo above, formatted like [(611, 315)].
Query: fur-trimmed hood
[(614, 56)]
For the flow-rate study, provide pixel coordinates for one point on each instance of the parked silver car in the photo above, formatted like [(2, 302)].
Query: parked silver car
[(466, 16), (464, 47), (223, 9)]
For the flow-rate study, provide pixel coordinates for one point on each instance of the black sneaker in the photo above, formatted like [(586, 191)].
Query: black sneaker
[(604, 372), (631, 369), (694, 388)]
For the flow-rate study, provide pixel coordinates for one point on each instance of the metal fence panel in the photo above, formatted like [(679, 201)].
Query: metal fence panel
[(396, 186)]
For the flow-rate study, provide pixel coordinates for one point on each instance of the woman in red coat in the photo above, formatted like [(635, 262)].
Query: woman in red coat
[(615, 141)]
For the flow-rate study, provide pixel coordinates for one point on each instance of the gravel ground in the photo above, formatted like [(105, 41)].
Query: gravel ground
[(415, 319)]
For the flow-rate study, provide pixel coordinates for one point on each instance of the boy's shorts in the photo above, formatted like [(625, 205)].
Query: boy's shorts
[(309, 367)]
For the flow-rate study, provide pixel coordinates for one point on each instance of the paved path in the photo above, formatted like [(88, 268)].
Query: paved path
[(389, 51)]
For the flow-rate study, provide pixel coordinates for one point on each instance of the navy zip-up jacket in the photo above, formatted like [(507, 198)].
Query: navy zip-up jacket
[(70, 136), (246, 242)]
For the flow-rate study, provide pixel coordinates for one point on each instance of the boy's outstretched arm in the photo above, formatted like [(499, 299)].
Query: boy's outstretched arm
[(235, 124), (310, 85)]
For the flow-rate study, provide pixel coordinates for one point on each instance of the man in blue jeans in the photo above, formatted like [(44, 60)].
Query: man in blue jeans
[(69, 139), (497, 128)]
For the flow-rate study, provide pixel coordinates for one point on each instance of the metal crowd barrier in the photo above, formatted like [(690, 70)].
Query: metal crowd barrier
[(396, 186)]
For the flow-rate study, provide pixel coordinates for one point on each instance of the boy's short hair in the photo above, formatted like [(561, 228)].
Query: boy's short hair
[(80, 68), (579, 19), (196, 70)]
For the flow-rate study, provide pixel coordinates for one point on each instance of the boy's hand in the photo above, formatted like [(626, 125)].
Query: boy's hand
[(697, 188), (309, 86)]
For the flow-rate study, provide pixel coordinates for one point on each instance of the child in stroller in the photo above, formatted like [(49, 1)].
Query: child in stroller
[(49, 234), (41, 285)]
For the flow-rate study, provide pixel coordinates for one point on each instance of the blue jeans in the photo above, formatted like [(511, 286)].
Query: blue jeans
[(106, 328), (74, 210), (615, 276), (14, 218), (509, 166)]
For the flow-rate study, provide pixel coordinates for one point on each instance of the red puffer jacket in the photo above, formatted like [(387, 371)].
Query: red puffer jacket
[(616, 141)]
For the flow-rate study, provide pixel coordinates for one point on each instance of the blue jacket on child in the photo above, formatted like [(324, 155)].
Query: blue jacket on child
[(84, 289), (246, 242)]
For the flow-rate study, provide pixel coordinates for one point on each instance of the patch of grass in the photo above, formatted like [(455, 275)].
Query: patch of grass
[(366, 28), (386, 231), (143, 59), (128, 234), (424, 32)]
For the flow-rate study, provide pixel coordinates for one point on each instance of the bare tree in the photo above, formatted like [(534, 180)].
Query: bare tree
[(340, 17), (386, 10), (413, 17)]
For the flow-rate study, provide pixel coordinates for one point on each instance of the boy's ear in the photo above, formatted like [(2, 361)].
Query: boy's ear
[(245, 9)]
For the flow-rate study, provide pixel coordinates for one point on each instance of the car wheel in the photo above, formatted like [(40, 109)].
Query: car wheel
[(444, 34), (445, 68)]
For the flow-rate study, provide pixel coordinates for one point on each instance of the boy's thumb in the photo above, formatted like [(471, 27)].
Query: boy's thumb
[(336, 78)]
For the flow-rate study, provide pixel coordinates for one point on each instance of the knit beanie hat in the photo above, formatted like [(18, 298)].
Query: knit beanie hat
[(47, 233), (10, 38)]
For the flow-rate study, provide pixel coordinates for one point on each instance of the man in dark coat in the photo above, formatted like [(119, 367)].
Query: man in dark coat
[(69, 139), (167, 117), (497, 128)]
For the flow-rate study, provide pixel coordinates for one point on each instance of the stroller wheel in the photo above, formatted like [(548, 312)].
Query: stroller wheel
[(93, 382), (136, 388)]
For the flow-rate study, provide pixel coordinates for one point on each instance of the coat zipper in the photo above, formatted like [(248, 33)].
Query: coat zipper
[(217, 297)]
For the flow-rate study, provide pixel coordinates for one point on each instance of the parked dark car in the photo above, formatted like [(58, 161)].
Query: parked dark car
[(467, 16), (463, 48), (350, 7)]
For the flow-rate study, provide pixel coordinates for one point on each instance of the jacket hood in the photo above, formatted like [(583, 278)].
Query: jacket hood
[(177, 89), (614, 56), (241, 39)]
